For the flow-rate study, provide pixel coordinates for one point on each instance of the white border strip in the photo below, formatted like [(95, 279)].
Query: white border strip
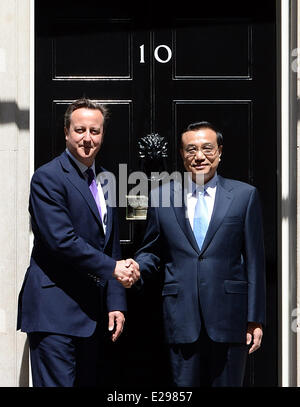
[(285, 193)]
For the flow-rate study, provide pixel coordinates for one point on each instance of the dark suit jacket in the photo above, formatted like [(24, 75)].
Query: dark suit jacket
[(59, 292), (226, 278)]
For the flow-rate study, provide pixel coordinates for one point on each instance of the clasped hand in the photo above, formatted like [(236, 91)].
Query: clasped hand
[(127, 272)]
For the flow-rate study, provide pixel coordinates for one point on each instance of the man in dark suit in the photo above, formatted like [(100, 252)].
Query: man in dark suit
[(76, 255), (210, 250)]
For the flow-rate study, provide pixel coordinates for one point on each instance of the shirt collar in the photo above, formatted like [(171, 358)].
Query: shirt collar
[(193, 187), (81, 166)]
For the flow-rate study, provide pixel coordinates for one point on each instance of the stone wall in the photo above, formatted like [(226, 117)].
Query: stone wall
[(14, 184)]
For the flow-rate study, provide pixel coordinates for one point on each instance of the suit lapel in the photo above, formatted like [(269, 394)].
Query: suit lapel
[(182, 216), (78, 181), (222, 203)]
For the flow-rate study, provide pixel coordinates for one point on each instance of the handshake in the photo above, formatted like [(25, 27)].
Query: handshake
[(127, 272)]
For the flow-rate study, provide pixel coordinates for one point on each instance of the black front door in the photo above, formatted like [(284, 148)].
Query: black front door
[(157, 70)]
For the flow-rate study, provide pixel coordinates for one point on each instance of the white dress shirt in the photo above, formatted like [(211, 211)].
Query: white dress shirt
[(83, 168), (191, 198)]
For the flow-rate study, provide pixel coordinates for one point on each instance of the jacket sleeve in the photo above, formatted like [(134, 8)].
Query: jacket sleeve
[(52, 225), (255, 260), (116, 293), (149, 254)]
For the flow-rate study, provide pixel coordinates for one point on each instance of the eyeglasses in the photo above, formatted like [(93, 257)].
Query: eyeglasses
[(208, 151)]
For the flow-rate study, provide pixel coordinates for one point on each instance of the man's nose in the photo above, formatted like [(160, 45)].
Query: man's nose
[(199, 154), (87, 136)]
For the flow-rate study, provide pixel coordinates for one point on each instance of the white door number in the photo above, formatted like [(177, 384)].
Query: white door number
[(158, 57)]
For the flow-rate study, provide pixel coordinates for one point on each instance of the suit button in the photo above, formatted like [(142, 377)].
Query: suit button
[(200, 258)]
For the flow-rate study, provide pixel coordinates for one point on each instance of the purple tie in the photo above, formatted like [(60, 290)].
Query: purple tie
[(93, 187)]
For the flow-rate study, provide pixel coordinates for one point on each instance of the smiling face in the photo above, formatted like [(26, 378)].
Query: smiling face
[(85, 134), (194, 144)]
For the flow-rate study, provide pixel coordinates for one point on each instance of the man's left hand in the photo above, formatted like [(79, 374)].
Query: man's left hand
[(116, 320), (254, 334)]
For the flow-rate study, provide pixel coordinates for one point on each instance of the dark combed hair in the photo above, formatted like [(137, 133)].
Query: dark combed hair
[(203, 125), (87, 104)]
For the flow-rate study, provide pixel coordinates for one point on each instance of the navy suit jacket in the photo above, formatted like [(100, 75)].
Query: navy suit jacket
[(225, 279), (60, 293)]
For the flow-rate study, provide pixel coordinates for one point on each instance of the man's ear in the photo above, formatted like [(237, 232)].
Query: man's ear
[(220, 151), (66, 132)]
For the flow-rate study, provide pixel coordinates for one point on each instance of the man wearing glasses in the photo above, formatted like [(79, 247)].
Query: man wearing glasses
[(211, 253)]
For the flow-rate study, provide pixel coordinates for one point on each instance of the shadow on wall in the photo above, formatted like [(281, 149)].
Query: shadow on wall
[(24, 369), (10, 113)]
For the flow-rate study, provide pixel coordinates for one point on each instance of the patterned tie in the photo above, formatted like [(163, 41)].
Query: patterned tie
[(93, 187), (200, 219)]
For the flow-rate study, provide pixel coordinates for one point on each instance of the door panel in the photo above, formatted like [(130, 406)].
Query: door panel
[(223, 112), (212, 41), (158, 70), (112, 59)]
